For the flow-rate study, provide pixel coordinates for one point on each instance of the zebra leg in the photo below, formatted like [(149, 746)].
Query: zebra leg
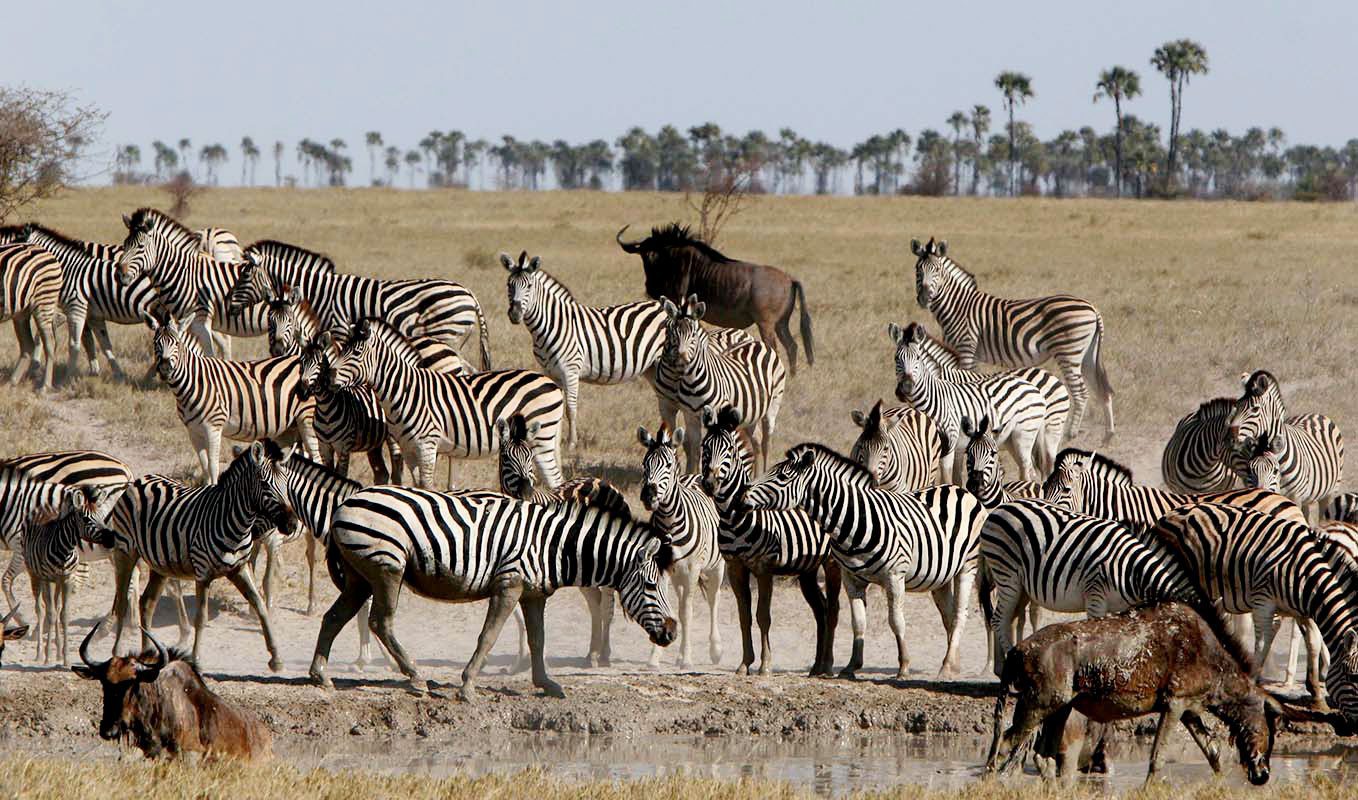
[(306, 431), (739, 577), (1315, 647), (106, 346), (365, 640), (570, 387), (25, 338), (593, 601), (1264, 631), (312, 551), (75, 330), (1020, 445), (397, 461), (245, 584), (1079, 395), (123, 565), (16, 565), (375, 463), (858, 615), (427, 455), (354, 594), (711, 584), (39, 591), (956, 622), (832, 585), (533, 615), (816, 602), (763, 614), (146, 606), (1293, 652), (64, 596), (502, 603), (1007, 603), (47, 331), (177, 587), (895, 598)]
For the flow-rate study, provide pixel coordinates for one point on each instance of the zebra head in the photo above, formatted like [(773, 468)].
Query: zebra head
[(252, 284), (726, 459), (10, 632), (1258, 410), (985, 474), (169, 345), (357, 360), (1341, 682), (284, 323), (525, 281), (80, 506), (266, 487), (140, 248), (873, 447), (1069, 481), (660, 465), (645, 599), (1257, 463), (684, 336), (912, 362), (784, 486), (517, 476), (929, 270), (314, 364)]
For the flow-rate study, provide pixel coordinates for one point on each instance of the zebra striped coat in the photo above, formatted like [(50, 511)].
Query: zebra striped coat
[(985, 473), (925, 542), (1196, 458), (347, 421), (1015, 333), (241, 400), (899, 446), (30, 289), (573, 342), (431, 413), (52, 549), (1342, 507)]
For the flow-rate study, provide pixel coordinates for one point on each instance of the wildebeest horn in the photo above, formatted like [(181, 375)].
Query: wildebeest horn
[(161, 655), (9, 616), (85, 649), (628, 247)]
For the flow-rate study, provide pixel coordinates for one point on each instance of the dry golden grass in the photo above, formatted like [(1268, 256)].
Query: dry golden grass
[(1192, 293)]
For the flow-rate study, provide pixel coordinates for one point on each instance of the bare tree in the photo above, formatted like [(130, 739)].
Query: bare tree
[(726, 192), (41, 134), (180, 188)]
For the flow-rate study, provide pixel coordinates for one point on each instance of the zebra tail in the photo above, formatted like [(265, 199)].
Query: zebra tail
[(799, 296), (985, 587), (1093, 361), (483, 337), (334, 563)]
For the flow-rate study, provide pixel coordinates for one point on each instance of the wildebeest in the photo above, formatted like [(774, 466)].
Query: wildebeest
[(1164, 659), (738, 294), (7, 632), (158, 702)]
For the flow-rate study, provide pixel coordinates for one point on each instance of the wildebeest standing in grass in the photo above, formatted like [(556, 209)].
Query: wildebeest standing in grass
[(738, 294), (159, 702)]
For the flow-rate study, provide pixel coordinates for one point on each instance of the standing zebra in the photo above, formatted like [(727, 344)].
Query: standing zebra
[(200, 533), (1342, 507), (1014, 405), (191, 284), (242, 400), (1015, 333), (1309, 447), (573, 342), (765, 544), (30, 289), (1196, 456), (440, 309), (686, 516), (1263, 565), (347, 420), (899, 446), (431, 412), (52, 554), (465, 547), (925, 542), (697, 369)]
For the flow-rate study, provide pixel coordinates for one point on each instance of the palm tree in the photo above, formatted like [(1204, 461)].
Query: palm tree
[(278, 163), (1177, 61), (1016, 88), (373, 139), (185, 150), (413, 162), (980, 126), (958, 120), (392, 163), (472, 151), (1118, 83), (249, 155), (211, 155)]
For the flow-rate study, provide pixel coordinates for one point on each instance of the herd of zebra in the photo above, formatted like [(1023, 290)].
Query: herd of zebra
[(920, 503)]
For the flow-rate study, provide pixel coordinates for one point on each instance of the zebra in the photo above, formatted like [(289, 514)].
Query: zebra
[(52, 549), (1015, 406), (1054, 393), (242, 400), (697, 370), (1055, 559), (431, 413), (221, 244), (686, 516), (899, 446), (30, 289), (1342, 507), (573, 342), (1261, 565), (1196, 458), (465, 547), (437, 308), (190, 284), (518, 479), (925, 542), (200, 533), (1015, 333), (765, 544), (1309, 447)]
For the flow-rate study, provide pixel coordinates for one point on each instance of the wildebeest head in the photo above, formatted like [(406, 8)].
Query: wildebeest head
[(120, 677), (668, 255), (8, 631)]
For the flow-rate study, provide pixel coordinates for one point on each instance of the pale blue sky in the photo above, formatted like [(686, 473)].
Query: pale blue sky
[(275, 69)]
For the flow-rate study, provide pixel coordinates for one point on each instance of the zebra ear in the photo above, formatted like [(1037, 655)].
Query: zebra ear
[(534, 263), (127, 221), (730, 416), (915, 248), (502, 430), (859, 418), (896, 332), (678, 437), (237, 450), (533, 430), (257, 451), (968, 430), (942, 247), (709, 416), (507, 262), (671, 310), (644, 438), (293, 296), (699, 308), (984, 425), (803, 460)]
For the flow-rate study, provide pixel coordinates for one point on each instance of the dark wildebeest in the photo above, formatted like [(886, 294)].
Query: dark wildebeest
[(158, 702), (1164, 659), (738, 294), (7, 633)]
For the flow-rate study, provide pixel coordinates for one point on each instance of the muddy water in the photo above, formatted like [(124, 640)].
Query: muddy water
[(858, 762)]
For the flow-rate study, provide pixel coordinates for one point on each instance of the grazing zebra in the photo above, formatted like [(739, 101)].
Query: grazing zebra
[(518, 478), (765, 544), (431, 412), (686, 516), (1263, 565), (925, 542), (697, 370), (1015, 333), (1039, 553), (1015, 406), (191, 284), (465, 547), (52, 549), (30, 289), (440, 309), (574, 342), (201, 534), (1054, 392), (242, 400), (1309, 447), (1342, 507), (899, 446), (1196, 456)]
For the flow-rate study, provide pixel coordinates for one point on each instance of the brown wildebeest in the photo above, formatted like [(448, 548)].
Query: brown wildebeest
[(738, 294), (1164, 659), (7, 632), (158, 702)]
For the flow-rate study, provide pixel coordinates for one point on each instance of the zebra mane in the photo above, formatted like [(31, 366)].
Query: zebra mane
[(1100, 462), (675, 236), (173, 229), (379, 328), (1217, 407), (283, 249), (856, 472), (12, 234), (79, 246), (936, 349), (1267, 384), (956, 270), (555, 282), (306, 466)]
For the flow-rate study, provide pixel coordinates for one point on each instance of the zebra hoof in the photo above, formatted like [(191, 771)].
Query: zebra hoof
[(743, 669), (275, 664), (467, 694), (848, 674), (765, 669), (321, 680)]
